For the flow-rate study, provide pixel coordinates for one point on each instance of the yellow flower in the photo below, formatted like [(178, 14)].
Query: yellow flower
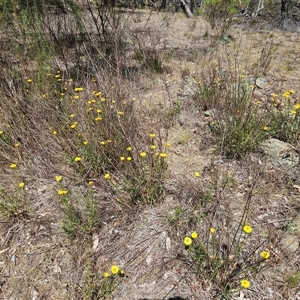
[(98, 119), (212, 230), (143, 154), (129, 158), (99, 111), (152, 135), (122, 273), (128, 148), (163, 155), (21, 184), (187, 241), (58, 178), (293, 112), (133, 99), (78, 89), (97, 94), (194, 235), (1, 132), (265, 254), (107, 176), (266, 128), (105, 274), (73, 126), (91, 182), (17, 145), (85, 142), (103, 143), (72, 115), (54, 132), (13, 166), (120, 113), (168, 144), (247, 228), (62, 94), (102, 99), (292, 92), (62, 192), (122, 158), (29, 80), (114, 269), (153, 147), (286, 94), (76, 97), (197, 174), (297, 106), (245, 284), (77, 158)]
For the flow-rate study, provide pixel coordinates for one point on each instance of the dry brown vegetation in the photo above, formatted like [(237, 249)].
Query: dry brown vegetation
[(106, 95)]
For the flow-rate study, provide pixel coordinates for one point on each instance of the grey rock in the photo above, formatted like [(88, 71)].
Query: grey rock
[(280, 154)]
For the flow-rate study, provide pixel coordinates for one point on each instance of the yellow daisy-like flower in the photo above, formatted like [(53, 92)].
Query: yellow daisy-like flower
[(72, 115), (98, 119), (152, 135), (286, 94), (129, 158), (114, 269), (247, 229), (128, 148), (105, 274), (17, 145), (77, 158), (78, 89), (163, 155), (245, 283), (102, 99), (62, 192), (120, 113), (293, 112), (266, 128), (29, 80), (13, 166), (103, 143), (21, 184), (291, 92), (197, 174), (168, 144), (91, 182), (76, 97), (54, 132), (58, 178), (122, 158), (99, 111), (265, 254), (107, 176), (73, 126), (194, 235), (187, 241), (297, 106), (212, 230), (143, 154), (153, 147), (85, 142), (1, 132)]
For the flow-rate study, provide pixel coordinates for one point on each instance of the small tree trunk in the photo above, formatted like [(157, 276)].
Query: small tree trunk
[(186, 9)]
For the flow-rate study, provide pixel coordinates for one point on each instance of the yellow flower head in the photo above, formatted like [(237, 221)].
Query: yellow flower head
[(54, 132), (13, 166), (265, 254), (58, 178), (72, 115), (128, 148), (129, 158), (91, 182), (163, 155), (85, 142), (187, 241), (293, 112), (297, 106), (291, 92), (1, 132), (73, 126), (197, 174), (212, 230), (286, 94), (152, 135), (120, 113), (21, 184), (143, 154), (99, 111), (107, 176), (105, 274), (266, 128), (245, 284), (114, 269), (168, 144), (29, 80), (103, 143), (153, 147), (122, 158), (17, 145), (98, 119), (247, 229), (77, 158), (78, 89), (62, 192), (194, 235)]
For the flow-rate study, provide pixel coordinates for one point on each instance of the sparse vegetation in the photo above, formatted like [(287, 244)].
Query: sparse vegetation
[(131, 153)]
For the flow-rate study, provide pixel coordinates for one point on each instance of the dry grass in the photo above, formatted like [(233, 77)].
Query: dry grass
[(58, 246)]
